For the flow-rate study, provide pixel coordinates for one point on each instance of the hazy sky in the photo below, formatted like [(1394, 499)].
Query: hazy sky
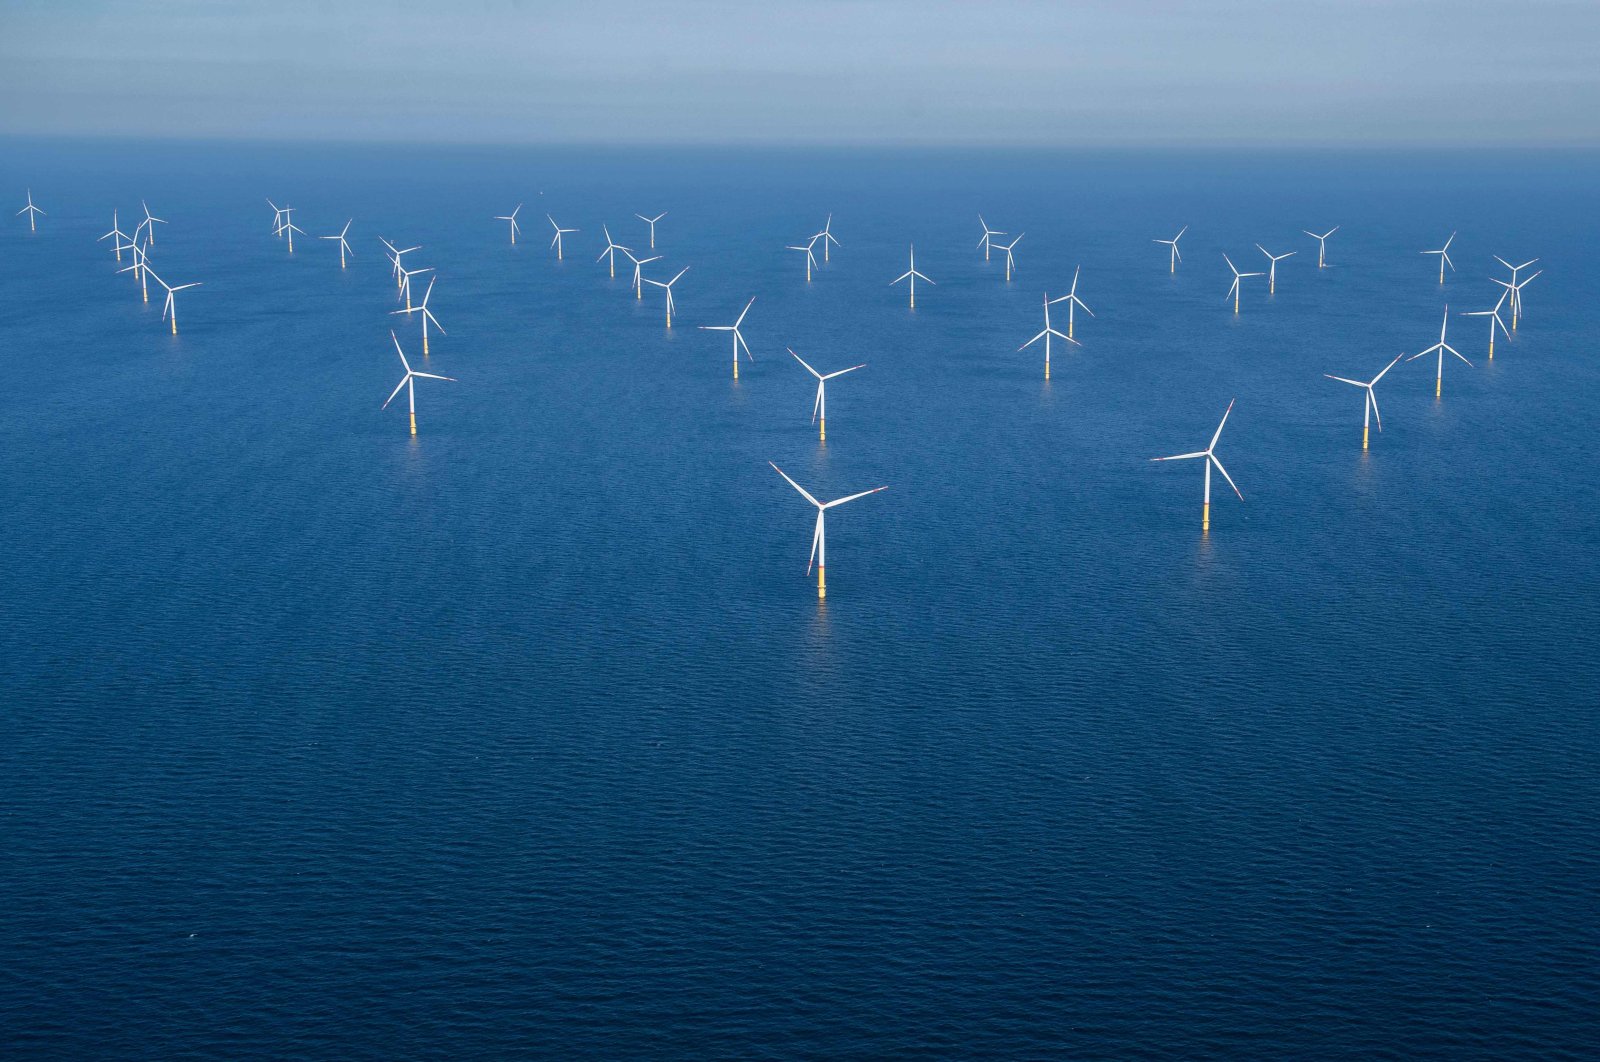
[(1019, 72)]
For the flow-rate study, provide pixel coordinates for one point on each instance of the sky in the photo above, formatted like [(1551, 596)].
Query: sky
[(1026, 73)]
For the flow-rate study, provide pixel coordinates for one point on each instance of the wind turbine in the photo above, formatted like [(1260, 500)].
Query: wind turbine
[(1272, 273), (1440, 347), (1237, 278), (1370, 406), (1049, 330), (913, 275), (116, 231), (427, 314), (1515, 288), (1322, 244), (811, 259), (150, 222), (290, 227), (408, 381), (1444, 257), (1174, 258), (738, 338), (170, 307), (344, 247), (32, 211), (985, 240), (1209, 453), (828, 237), (139, 269), (511, 217), (277, 218), (1007, 248), (819, 408), (652, 223), (396, 255), (1494, 319), (668, 286), (1073, 302), (556, 240), (819, 540), (638, 266), (611, 251), (405, 282)]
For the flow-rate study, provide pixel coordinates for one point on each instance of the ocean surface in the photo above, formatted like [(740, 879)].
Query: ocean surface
[(528, 736)]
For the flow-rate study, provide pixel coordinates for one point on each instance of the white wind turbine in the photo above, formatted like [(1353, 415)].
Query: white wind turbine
[(116, 235), (1049, 330), (1073, 303), (555, 241), (1322, 244), (912, 275), (667, 286), (652, 223), (819, 539), (408, 381), (1514, 287), (1440, 347), (290, 228), (148, 224), (1238, 279), (169, 309), (512, 218), (986, 239), (32, 211), (1494, 319), (1008, 248), (405, 282), (344, 246), (738, 337), (1174, 258), (1272, 271), (1370, 407), (811, 259), (827, 237), (1444, 257), (611, 251), (1209, 453), (427, 314), (819, 408), (139, 269), (277, 218), (638, 267), (396, 260)]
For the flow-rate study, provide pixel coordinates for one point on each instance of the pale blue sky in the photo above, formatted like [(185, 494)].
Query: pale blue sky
[(1007, 72)]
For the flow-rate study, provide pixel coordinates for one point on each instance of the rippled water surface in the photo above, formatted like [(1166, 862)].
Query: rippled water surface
[(529, 737)]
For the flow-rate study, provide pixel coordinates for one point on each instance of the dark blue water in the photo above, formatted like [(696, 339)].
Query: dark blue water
[(529, 737)]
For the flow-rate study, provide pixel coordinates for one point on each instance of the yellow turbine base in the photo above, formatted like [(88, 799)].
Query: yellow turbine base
[(822, 585), (424, 344), (735, 370), (1047, 370), (174, 324), (413, 424), (1364, 430), (1438, 387), (822, 430), (1205, 517)]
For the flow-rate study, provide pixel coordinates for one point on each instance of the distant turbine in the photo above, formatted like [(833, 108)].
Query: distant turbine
[(1007, 248), (811, 259), (139, 268), (652, 223), (512, 218), (1073, 303), (344, 246), (1174, 258), (1370, 406), (1234, 291), (1514, 287), (1494, 319), (913, 275), (169, 309), (427, 314), (819, 539), (32, 211), (149, 224), (556, 240), (819, 408), (667, 285), (985, 240), (1322, 244), (611, 251), (828, 237), (408, 381), (396, 257), (638, 266), (405, 283), (1440, 347), (116, 231), (738, 338), (1049, 330), (1272, 273), (1444, 257), (290, 227), (1209, 453), (277, 218)]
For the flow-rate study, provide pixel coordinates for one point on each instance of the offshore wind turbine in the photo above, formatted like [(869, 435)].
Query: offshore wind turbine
[(1210, 456), (556, 240), (169, 309), (819, 408), (912, 275), (1370, 406), (116, 231), (405, 282), (738, 337), (1444, 257), (1494, 319), (811, 259), (667, 285), (1049, 330), (32, 211), (1174, 258), (1238, 277), (1440, 347), (512, 218), (819, 538), (139, 268), (1514, 287), (344, 246), (611, 251), (149, 224), (1007, 248), (408, 381), (652, 223), (427, 314), (290, 228), (1272, 273), (1322, 244), (827, 237), (638, 266), (277, 218), (985, 240), (1073, 303)]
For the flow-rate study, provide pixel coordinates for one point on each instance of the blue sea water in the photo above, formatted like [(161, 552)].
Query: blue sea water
[(528, 737)]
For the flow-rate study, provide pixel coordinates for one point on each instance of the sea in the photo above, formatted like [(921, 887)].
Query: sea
[(528, 736)]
